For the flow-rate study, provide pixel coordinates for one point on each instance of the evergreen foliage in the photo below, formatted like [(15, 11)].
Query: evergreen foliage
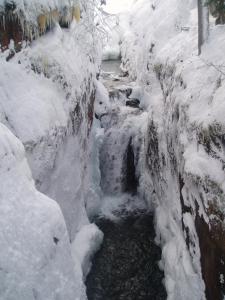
[(217, 9)]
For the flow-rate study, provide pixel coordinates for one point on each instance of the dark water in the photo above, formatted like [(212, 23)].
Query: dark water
[(112, 66), (126, 267)]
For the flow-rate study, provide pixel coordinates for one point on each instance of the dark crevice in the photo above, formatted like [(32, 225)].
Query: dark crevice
[(130, 180)]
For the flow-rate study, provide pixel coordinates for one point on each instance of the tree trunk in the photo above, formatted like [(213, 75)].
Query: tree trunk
[(203, 24)]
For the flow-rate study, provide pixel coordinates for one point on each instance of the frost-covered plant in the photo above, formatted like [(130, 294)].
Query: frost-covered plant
[(217, 8), (158, 69)]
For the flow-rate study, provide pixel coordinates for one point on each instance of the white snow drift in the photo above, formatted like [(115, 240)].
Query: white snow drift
[(35, 258)]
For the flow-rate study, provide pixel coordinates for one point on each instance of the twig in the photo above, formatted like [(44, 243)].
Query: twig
[(218, 68)]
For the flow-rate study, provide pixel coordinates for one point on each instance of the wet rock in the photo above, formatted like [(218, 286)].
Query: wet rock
[(127, 91), (133, 103), (212, 246)]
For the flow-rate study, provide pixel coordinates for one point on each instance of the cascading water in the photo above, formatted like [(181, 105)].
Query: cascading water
[(126, 266)]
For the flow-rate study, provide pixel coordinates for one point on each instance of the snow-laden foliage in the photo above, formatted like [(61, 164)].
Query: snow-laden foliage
[(30, 10)]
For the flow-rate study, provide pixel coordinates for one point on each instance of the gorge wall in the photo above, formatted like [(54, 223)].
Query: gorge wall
[(184, 156), (47, 91)]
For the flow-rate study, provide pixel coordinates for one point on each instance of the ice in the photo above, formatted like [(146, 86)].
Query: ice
[(87, 241), (102, 104), (32, 8), (93, 194)]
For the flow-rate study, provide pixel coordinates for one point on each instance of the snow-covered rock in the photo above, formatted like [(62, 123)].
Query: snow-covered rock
[(47, 93), (86, 243), (35, 256), (184, 177), (47, 99)]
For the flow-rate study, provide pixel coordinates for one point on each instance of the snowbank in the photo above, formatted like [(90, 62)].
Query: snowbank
[(88, 241), (35, 257)]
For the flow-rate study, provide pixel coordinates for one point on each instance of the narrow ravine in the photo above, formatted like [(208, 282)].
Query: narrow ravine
[(126, 266)]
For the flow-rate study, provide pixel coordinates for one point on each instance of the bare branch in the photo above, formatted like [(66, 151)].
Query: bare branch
[(216, 67)]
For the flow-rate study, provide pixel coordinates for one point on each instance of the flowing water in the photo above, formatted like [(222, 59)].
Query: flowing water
[(112, 66), (126, 266)]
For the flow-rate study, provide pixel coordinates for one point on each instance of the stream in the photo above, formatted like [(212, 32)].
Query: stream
[(126, 266)]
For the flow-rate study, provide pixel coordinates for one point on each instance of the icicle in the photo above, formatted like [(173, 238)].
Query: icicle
[(76, 10), (76, 13), (54, 16), (42, 23)]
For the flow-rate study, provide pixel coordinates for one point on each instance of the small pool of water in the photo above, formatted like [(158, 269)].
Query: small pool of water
[(111, 66)]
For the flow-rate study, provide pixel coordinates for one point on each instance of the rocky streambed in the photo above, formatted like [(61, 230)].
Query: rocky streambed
[(126, 266)]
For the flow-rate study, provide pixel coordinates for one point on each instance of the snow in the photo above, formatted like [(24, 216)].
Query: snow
[(46, 143), (56, 85), (48, 111), (200, 164), (35, 254), (87, 241), (102, 104), (117, 6), (183, 94), (32, 8), (45, 97)]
